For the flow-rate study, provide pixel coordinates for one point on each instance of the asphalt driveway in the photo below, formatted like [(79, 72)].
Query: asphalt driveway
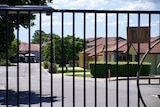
[(149, 92)]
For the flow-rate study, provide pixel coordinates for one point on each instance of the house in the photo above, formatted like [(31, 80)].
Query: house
[(100, 49), (101, 52), (25, 55), (153, 56)]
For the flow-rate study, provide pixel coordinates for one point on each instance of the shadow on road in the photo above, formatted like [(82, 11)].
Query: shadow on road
[(24, 98)]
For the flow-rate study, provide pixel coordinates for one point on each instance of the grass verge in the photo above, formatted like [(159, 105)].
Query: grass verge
[(79, 74)]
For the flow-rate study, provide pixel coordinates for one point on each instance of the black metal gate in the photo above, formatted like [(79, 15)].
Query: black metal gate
[(111, 85)]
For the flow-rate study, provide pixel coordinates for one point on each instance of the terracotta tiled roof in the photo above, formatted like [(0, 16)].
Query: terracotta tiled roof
[(101, 45), (111, 41), (99, 50), (99, 41), (92, 39), (154, 39), (144, 47), (122, 46), (25, 47), (91, 51)]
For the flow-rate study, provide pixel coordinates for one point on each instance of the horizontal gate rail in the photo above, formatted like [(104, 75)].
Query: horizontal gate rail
[(45, 9)]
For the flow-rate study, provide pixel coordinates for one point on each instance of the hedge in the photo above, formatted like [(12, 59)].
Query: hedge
[(122, 69)]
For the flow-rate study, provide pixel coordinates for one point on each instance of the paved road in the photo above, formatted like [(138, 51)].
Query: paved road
[(148, 91)]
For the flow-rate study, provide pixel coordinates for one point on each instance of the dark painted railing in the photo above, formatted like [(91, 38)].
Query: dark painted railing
[(6, 11)]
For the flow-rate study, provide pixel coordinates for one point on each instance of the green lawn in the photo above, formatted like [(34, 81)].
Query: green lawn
[(70, 69), (79, 74)]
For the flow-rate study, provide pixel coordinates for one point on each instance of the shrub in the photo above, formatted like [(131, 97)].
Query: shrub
[(46, 64), (100, 69), (3, 63), (54, 68), (122, 69)]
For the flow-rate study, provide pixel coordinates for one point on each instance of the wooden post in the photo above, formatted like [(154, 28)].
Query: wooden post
[(109, 74)]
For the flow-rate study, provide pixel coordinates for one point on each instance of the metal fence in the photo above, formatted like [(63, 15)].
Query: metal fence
[(29, 84)]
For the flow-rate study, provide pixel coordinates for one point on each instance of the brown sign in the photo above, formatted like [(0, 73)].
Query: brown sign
[(138, 34)]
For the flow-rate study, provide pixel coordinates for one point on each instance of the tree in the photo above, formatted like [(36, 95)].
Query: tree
[(11, 21), (36, 37), (56, 46), (22, 2), (5, 41), (68, 46), (13, 47), (68, 49)]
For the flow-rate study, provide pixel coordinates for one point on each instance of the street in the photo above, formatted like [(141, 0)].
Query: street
[(149, 92)]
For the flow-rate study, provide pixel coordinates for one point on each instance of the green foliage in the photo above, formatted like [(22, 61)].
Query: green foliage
[(9, 23), (37, 35), (10, 37), (57, 48), (5, 63), (13, 47), (68, 47), (46, 51), (24, 2), (46, 64), (52, 68), (122, 69)]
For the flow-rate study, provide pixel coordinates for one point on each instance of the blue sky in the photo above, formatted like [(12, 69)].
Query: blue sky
[(96, 5)]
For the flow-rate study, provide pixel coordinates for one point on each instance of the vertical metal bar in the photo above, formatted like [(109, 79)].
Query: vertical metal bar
[(29, 32), (53, 41), (138, 55), (7, 81), (149, 31), (117, 88), (159, 26), (106, 58), (51, 60), (95, 60), (73, 54), (62, 61), (17, 58), (84, 54), (40, 42), (128, 72)]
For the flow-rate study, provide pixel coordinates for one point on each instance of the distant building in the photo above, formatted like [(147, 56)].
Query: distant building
[(101, 48), (25, 56), (100, 51)]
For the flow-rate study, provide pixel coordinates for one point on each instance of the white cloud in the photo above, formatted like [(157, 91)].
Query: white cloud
[(154, 1), (60, 1), (87, 3), (57, 23), (155, 23), (120, 22), (46, 18), (91, 15), (100, 18), (138, 5)]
